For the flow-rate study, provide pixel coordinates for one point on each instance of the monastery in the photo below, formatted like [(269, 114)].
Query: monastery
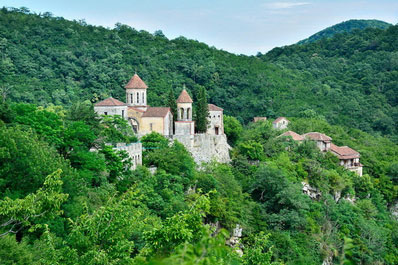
[(145, 119)]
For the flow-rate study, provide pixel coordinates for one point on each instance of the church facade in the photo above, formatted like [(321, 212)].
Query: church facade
[(145, 119)]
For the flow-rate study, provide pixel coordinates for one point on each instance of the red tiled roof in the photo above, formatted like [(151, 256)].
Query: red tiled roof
[(344, 152), (316, 136), (136, 82), (156, 112), (279, 119), (184, 97), (213, 107), (110, 102), (295, 136), (139, 110)]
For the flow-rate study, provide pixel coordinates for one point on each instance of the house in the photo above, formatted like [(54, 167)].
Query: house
[(349, 158), (256, 119), (280, 123), (157, 119), (322, 140), (111, 106), (216, 123), (293, 135)]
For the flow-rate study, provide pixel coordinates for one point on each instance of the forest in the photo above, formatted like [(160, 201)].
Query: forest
[(62, 203), (350, 79), (68, 197)]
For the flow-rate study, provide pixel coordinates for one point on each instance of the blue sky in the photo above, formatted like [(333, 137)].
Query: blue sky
[(244, 26)]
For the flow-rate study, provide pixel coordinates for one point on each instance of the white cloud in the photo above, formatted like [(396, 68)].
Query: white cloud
[(284, 5)]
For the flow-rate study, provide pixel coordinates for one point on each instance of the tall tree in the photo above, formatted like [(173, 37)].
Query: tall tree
[(202, 111), (171, 102)]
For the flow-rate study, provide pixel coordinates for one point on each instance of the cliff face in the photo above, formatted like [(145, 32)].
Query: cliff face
[(205, 147)]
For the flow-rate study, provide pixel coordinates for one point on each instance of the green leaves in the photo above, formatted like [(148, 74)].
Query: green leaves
[(44, 203)]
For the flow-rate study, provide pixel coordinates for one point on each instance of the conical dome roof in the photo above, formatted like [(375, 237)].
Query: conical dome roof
[(136, 82), (184, 97)]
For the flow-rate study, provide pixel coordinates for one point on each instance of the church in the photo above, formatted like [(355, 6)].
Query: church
[(145, 119)]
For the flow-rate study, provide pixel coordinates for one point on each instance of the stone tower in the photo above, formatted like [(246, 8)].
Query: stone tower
[(184, 124), (136, 93)]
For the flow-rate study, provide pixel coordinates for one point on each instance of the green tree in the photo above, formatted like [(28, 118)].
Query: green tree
[(232, 128), (171, 102), (202, 111), (44, 203)]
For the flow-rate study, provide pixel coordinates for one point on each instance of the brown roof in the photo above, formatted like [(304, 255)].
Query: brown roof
[(110, 102), (136, 109), (213, 107), (136, 82), (184, 97), (295, 136), (344, 152), (316, 136), (156, 112), (279, 119)]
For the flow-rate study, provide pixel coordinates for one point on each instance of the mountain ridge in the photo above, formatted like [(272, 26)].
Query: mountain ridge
[(346, 27)]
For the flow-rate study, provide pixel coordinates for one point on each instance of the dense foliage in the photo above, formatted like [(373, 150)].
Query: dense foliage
[(346, 27), (349, 79), (67, 197), (354, 76)]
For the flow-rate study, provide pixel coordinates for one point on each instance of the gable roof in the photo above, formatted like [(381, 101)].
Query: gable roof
[(184, 97), (316, 136), (136, 82), (295, 136), (109, 102), (213, 107), (156, 112), (279, 119), (344, 152)]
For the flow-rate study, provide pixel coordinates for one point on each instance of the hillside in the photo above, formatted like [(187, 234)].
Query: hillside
[(51, 60), (346, 27), (63, 203), (356, 76)]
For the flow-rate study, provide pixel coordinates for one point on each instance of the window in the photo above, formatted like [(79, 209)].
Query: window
[(188, 110), (143, 98), (131, 98), (138, 97), (105, 113), (182, 113), (122, 113)]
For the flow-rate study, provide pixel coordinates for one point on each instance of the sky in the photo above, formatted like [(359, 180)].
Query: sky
[(238, 26)]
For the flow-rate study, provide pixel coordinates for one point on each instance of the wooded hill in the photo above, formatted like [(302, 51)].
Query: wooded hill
[(350, 79), (346, 27)]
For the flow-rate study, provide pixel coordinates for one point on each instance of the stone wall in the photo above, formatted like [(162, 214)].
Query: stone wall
[(205, 147), (184, 128), (134, 150)]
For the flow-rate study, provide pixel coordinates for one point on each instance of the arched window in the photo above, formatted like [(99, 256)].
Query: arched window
[(188, 113), (182, 113), (131, 99)]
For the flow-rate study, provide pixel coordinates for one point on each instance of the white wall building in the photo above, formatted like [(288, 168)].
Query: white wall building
[(111, 106), (280, 123)]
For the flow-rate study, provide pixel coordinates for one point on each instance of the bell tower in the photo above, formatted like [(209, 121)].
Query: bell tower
[(184, 124), (136, 93), (184, 107)]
